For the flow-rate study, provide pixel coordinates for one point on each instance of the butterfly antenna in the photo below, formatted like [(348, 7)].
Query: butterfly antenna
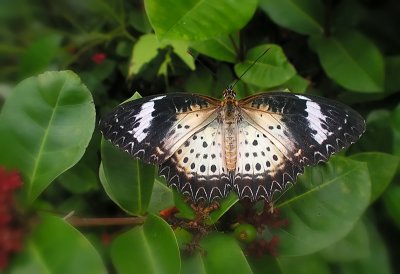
[(197, 59), (249, 67)]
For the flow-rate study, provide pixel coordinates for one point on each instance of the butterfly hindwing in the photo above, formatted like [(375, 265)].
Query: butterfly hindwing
[(297, 131), (263, 166), (152, 128), (198, 167)]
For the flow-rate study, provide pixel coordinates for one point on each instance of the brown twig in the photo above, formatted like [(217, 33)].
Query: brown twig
[(84, 222)]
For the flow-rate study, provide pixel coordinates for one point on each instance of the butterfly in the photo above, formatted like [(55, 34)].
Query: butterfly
[(256, 146)]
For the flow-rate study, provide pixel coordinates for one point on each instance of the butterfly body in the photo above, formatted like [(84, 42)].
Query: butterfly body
[(256, 146)]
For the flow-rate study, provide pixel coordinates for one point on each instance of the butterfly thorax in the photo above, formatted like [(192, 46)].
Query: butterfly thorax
[(230, 115)]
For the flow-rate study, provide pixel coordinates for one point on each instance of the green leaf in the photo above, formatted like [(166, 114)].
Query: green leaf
[(271, 70), (392, 68), (223, 255), (181, 49), (351, 60), (55, 247), (303, 265), (144, 51), (128, 182), (221, 48), (354, 246), (151, 248), (197, 19), (45, 127), (382, 168), (326, 203), (40, 54), (377, 260), (267, 264), (79, 179), (395, 123), (138, 18), (302, 16), (224, 206), (182, 204), (392, 203), (161, 197), (379, 133), (296, 84)]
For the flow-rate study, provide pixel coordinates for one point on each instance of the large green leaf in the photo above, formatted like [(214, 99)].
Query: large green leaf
[(45, 127), (128, 182), (271, 70), (351, 60), (220, 47), (392, 203), (392, 81), (220, 254), (326, 203), (302, 16), (354, 246), (304, 265), (382, 168), (40, 54), (144, 50), (395, 123), (198, 19), (55, 247), (151, 248), (376, 259)]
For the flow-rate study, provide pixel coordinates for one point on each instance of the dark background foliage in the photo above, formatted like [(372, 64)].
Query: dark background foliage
[(342, 216)]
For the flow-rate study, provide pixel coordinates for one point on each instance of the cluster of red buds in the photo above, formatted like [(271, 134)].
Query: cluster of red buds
[(11, 235)]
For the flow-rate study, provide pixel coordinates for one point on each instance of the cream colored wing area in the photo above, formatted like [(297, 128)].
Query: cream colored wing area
[(264, 163), (185, 126), (198, 166)]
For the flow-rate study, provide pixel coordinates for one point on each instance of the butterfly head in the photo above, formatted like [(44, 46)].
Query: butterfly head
[(229, 93)]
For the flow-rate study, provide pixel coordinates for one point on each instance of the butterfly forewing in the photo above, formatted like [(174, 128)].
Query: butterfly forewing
[(152, 128), (198, 167), (293, 131)]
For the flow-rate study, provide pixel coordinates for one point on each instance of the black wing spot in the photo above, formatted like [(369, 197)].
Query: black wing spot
[(258, 167), (213, 168), (275, 157), (185, 160), (255, 143), (202, 168), (247, 167), (268, 164)]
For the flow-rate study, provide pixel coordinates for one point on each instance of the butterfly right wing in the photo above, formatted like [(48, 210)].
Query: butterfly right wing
[(153, 128)]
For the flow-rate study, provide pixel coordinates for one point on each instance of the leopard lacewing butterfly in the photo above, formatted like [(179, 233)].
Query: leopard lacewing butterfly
[(256, 146)]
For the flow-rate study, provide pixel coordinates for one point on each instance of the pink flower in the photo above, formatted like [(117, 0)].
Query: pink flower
[(98, 58)]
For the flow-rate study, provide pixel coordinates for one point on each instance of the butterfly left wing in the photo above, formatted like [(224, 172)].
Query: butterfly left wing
[(153, 128), (198, 167), (292, 131)]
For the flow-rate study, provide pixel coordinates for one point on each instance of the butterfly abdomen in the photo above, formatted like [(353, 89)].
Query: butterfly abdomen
[(229, 115)]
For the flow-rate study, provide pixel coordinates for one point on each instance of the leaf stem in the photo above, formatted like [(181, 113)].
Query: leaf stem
[(90, 222)]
